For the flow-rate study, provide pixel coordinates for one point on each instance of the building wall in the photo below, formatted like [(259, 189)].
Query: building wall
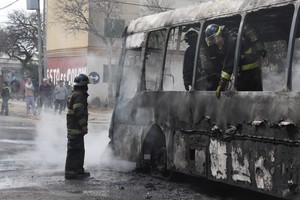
[(57, 38), (66, 52), (69, 54), (98, 51)]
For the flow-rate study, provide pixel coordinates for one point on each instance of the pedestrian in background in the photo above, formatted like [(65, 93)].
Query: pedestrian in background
[(77, 123), (60, 96), (44, 94), (5, 94), (15, 88), (29, 97), (51, 97)]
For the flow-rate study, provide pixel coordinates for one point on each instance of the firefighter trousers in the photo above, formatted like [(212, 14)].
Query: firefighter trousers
[(75, 155)]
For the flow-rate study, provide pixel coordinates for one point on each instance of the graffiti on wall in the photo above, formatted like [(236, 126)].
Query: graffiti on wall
[(68, 75)]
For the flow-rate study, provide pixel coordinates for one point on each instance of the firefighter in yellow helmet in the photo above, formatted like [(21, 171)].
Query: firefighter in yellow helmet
[(77, 123), (222, 42)]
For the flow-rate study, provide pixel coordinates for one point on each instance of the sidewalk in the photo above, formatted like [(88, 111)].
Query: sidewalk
[(17, 108)]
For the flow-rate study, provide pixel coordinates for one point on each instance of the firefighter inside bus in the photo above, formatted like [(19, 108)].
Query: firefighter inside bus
[(189, 58), (221, 49)]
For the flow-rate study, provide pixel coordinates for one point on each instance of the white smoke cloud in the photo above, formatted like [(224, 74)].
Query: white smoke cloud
[(50, 146), (51, 143)]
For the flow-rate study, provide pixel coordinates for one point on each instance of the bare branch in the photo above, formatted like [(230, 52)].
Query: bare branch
[(19, 39), (156, 6)]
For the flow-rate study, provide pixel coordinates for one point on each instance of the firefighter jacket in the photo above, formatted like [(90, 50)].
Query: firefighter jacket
[(188, 65), (249, 60), (77, 114)]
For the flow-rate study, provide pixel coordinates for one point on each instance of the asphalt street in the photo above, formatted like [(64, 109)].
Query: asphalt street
[(32, 158)]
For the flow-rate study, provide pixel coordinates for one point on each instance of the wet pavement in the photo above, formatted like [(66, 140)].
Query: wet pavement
[(32, 157)]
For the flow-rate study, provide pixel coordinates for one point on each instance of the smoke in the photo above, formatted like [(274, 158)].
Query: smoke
[(50, 142), (272, 80), (51, 145), (49, 153)]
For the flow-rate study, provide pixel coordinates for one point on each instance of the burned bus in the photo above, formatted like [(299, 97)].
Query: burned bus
[(248, 139)]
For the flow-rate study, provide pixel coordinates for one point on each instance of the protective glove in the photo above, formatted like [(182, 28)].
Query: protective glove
[(218, 91), (187, 88), (221, 87), (84, 130)]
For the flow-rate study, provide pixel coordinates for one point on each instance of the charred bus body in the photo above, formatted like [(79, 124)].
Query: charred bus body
[(247, 139)]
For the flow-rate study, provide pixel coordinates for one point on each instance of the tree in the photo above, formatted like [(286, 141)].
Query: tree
[(19, 39), (83, 15), (156, 6)]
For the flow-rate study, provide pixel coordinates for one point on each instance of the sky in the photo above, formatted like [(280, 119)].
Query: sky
[(7, 6)]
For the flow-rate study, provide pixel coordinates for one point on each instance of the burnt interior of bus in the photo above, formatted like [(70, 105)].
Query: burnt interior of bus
[(273, 29)]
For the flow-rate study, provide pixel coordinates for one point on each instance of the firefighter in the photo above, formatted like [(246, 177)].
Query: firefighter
[(6, 93), (77, 123), (221, 43), (189, 57)]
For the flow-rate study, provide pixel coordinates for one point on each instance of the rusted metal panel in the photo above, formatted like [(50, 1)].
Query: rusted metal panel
[(197, 144), (240, 165), (200, 161), (211, 9), (218, 159), (180, 152), (264, 169)]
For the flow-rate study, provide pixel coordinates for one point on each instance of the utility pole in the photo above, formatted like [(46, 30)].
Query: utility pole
[(35, 5), (45, 38), (40, 57)]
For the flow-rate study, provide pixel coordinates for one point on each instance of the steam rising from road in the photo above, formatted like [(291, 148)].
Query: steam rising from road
[(51, 145)]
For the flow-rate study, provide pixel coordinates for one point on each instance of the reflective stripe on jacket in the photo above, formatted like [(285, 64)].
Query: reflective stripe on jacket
[(77, 114)]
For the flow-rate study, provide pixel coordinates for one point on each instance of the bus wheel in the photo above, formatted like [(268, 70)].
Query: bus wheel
[(158, 167)]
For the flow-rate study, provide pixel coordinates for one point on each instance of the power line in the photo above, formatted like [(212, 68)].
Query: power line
[(9, 5)]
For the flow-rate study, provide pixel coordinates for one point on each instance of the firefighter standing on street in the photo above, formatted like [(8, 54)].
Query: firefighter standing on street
[(222, 44), (77, 123), (5, 94)]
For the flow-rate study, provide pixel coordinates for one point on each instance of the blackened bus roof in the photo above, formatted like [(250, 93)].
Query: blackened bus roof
[(207, 10)]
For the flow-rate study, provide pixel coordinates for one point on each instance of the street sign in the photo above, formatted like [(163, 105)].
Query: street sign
[(32, 4), (94, 77)]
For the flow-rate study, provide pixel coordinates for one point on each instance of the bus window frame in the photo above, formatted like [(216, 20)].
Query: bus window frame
[(161, 75), (237, 53), (159, 88), (290, 50), (237, 47), (196, 57), (121, 63), (196, 52), (287, 87), (291, 47)]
